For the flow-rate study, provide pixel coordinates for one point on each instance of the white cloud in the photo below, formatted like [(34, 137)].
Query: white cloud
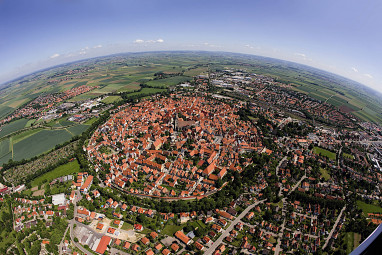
[(301, 55), (354, 69), (248, 46), (55, 55), (160, 40), (368, 76), (97, 46)]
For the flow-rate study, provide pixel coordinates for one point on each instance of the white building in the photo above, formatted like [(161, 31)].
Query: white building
[(59, 199)]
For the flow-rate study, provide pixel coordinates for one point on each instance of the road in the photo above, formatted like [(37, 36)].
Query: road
[(233, 223), (277, 173), (334, 228), (297, 184), (72, 222)]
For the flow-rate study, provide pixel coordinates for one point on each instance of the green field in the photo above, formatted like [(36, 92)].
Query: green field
[(147, 91), (368, 208), (69, 168), (348, 155), (77, 130), (13, 127), (170, 229), (126, 226), (38, 143), (33, 142), (324, 174), (323, 152), (111, 99), (167, 82), (90, 121)]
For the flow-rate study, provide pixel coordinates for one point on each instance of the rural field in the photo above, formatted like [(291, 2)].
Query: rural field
[(35, 141), (125, 73)]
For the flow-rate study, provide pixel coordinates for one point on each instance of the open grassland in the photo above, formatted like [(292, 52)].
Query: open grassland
[(368, 208), (69, 168), (323, 152)]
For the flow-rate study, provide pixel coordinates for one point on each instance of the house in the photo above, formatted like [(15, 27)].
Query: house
[(138, 227), (85, 188), (145, 241), (102, 246), (158, 247), (149, 252), (182, 237), (174, 247), (126, 245), (166, 252)]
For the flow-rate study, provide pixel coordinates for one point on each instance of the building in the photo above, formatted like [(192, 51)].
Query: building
[(59, 199), (102, 246), (85, 188)]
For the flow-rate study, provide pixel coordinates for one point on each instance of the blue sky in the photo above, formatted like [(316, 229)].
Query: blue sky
[(343, 37)]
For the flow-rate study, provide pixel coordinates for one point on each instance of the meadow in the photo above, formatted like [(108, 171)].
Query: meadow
[(66, 169), (323, 152)]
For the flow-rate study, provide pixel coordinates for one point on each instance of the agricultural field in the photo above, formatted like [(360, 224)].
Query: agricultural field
[(19, 172), (323, 152), (69, 168), (13, 127), (33, 142), (125, 73), (167, 82), (111, 99)]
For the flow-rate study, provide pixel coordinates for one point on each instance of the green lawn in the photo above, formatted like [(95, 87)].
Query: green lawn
[(90, 121), (323, 152), (171, 229), (69, 168), (349, 240), (126, 226), (324, 174), (348, 155), (111, 99), (368, 208)]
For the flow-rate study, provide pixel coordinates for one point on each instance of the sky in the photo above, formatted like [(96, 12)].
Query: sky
[(341, 36)]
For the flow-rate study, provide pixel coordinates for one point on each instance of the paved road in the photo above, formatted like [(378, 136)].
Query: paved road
[(277, 174), (72, 222), (334, 228), (297, 184), (233, 223)]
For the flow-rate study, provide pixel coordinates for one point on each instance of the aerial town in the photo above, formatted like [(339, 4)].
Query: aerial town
[(228, 163)]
